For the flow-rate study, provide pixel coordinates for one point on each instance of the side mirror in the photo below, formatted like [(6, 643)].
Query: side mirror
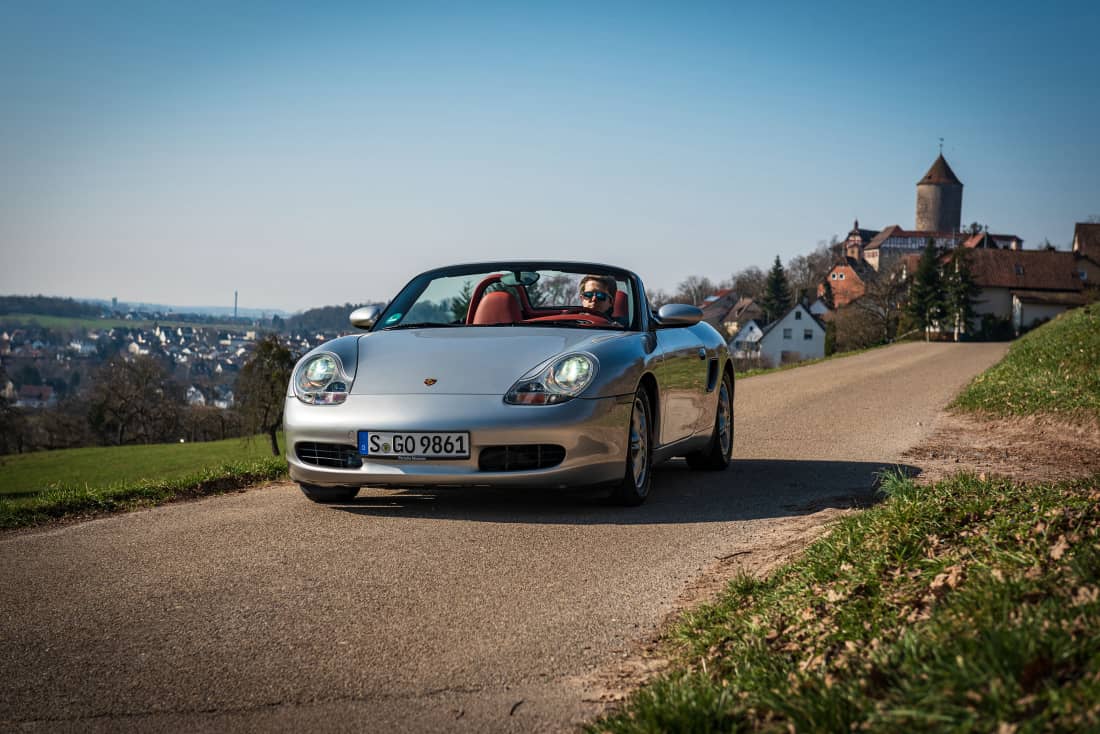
[(364, 317), (678, 314)]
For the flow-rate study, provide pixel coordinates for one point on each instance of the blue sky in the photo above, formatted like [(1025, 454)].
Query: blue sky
[(320, 153)]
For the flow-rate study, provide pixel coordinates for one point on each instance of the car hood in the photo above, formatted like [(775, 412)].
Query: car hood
[(485, 360)]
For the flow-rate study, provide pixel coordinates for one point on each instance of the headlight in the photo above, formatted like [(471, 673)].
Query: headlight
[(563, 380), (319, 381)]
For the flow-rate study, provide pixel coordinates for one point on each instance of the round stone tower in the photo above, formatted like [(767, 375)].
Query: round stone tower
[(939, 199)]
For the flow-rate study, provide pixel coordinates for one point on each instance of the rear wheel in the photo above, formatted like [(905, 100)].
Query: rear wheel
[(638, 477), (717, 454), (324, 495)]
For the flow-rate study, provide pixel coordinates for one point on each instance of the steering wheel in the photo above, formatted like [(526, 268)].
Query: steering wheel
[(576, 313), (593, 312)]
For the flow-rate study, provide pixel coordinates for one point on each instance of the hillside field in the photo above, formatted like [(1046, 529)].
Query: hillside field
[(103, 466)]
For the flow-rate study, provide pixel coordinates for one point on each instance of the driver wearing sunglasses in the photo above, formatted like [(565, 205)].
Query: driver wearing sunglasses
[(598, 293)]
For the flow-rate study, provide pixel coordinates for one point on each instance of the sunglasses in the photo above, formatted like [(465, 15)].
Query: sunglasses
[(597, 295)]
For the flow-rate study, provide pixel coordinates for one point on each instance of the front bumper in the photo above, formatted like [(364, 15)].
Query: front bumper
[(594, 434)]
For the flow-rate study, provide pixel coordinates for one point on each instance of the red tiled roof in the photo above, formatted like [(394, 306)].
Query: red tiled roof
[(1024, 269), (860, 269), (745, 306), (882, 236), (940, 173)]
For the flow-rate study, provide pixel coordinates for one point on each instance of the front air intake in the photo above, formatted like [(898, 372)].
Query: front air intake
[(335, 455), (520, 457)]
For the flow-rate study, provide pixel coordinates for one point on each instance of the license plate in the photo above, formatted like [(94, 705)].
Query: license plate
[(415, 445)]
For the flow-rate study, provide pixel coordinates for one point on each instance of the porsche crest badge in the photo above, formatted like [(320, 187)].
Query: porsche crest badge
[(430, 381)]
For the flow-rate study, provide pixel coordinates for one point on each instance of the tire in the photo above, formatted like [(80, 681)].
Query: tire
[(638, 475), (716, 456), (325, 495)]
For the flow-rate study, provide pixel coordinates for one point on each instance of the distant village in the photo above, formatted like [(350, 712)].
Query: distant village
[(50, 364)]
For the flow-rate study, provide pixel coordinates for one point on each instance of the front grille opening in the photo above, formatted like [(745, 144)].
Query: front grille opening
[(335, 455), (520, 457)]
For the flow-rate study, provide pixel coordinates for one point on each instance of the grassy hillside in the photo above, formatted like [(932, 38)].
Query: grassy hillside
[(102, 466), (64, 323), (39, 487), (965, 606), (1052, 370)]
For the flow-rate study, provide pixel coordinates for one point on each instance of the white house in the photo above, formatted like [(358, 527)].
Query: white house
[(795, 337), (1025, 287), (195, 396), (746, 343)]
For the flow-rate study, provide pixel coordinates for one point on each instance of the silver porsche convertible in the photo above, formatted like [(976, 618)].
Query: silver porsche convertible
[(514, 374)]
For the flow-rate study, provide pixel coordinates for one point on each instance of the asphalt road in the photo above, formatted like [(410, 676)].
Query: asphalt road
[(428, 611)]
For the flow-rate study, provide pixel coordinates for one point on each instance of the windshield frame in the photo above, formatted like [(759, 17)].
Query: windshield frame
[(640, 320)]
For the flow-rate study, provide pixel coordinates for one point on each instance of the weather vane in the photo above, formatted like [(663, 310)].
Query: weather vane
[(941, 146)]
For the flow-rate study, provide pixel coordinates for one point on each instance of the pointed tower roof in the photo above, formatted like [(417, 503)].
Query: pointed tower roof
[(940, 173)]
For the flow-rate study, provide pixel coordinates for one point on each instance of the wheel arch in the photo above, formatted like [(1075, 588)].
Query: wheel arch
[(728, 370)]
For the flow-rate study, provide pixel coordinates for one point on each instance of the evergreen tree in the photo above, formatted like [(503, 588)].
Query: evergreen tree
[(960, 290), (827, 296), (926, 302), (830, 337), (460, 304), (777, 293)]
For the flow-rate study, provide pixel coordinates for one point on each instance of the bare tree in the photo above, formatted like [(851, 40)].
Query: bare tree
[(13, 426), (806, 272), (262, 388), (749, 282), (694, 289), (884, 301), (658, 298), (855, 329), (553, 290), (134, 401)]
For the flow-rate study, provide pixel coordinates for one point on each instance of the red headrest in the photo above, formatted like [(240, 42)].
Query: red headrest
[(498, 307), (622, 305)]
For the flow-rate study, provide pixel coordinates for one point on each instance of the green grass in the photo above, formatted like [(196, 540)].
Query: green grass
[(11, 320), (957, 607), (1053, 370), (42, 486), (101, 466)]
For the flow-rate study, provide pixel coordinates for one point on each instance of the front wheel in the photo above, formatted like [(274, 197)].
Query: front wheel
[(717, 454), (325, 495), (638, 477)]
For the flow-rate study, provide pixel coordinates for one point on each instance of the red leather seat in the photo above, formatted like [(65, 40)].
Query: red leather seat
[(622, 306), (498, 307)]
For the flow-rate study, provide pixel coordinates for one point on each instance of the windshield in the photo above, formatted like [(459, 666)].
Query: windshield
[(519, 295)]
